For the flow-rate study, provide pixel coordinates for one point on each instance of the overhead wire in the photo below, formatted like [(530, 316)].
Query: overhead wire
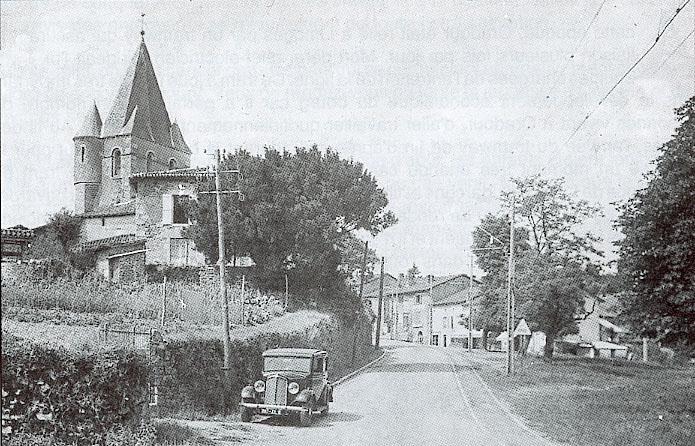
[(622, 78), (577, 47), (675, 50)]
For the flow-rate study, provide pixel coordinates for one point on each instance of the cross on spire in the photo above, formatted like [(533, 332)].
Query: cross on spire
[(142, 24)]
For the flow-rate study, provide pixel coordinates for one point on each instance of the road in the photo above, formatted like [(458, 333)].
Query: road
[(415, 395)]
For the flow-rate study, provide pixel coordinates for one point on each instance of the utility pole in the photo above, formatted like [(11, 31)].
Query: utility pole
[(227, 367), (470, 307), (381, 299), (510, 295), (357, 316)]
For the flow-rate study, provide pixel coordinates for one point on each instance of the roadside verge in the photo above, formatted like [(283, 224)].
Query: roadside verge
[(355, 372)]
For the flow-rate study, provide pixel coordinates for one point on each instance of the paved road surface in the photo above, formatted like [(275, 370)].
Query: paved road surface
[(415, 395)]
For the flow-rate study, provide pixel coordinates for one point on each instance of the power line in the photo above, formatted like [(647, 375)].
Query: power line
[(586, 118), (675, 50), (580, 42)]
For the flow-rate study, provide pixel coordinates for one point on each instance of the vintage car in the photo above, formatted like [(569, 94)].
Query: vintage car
[(295, 383)]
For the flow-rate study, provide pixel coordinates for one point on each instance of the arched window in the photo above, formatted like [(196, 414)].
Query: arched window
[(150, 161), (82, 153), (116, 163), (172, 164)]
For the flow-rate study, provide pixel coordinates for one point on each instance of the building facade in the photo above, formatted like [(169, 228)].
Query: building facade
[(132, 180)]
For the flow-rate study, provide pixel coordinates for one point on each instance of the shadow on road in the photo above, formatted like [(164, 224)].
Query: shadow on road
[(327, 420), (415, 367)]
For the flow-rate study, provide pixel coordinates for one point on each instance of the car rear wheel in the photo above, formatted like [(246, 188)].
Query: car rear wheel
[(305, 416), (246, 414)]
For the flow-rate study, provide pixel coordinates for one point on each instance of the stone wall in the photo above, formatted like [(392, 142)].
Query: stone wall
[(92, 228), (148, 215)]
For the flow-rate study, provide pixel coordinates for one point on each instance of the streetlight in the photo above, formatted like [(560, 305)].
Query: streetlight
[(470, 283)]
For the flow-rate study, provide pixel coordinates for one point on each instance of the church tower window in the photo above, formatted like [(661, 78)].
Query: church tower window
[(150, 162), (116, 163), (82, 153), (172, 164)]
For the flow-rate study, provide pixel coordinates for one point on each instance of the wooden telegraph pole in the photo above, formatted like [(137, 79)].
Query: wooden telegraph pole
[(358, 315), (227, 367), (510, 296), (381, 299)]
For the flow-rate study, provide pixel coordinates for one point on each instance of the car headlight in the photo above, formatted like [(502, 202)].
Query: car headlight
[(293, 388), (259, 386)]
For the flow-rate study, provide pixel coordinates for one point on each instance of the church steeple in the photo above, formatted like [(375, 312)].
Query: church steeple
[(91, 126), (140, 103)]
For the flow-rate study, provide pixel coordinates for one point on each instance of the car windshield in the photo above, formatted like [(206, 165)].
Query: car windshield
[(287, 363)]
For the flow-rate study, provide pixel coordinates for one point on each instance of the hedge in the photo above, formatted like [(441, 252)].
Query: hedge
[(73, 397)]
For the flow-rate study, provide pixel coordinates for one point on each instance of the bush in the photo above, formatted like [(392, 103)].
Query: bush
[(68, 396)]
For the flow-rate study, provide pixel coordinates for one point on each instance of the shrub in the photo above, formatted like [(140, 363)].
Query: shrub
[(71, 397)]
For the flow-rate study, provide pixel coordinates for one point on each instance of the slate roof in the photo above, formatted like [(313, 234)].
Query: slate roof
[(91, 126), (188, 173), (109, 242), (139, 107), (112, 210)]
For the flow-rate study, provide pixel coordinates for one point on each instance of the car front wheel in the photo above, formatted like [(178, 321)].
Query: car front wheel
[(246, 414), (305, 416)]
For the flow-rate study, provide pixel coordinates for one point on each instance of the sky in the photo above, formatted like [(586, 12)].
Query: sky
[(443, 103)]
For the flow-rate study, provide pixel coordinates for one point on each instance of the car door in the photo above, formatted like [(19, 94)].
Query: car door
[(318, 375)]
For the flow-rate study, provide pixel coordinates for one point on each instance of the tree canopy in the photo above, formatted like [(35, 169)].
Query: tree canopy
[(299, 216), (657, 255), (554, 262)]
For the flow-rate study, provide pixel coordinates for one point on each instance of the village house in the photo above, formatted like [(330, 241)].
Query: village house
[(598, 335), (15, 241), (132, 180), (450, 320), (412, 305), (370, 300)]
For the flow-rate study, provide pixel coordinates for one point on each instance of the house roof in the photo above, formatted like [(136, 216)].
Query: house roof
[(139, 108), (611, 326), (21, 233), (91, 126), (112, 210), (423, 283), (458, 297), (603, 345), (298, 352), (109, 242), (371, 286), (197, 173)]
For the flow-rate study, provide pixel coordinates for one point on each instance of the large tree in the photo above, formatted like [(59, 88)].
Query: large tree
[(554, 261), (300, 211), (657, 255)]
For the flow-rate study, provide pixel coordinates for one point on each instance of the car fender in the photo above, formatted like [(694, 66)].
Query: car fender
[(304, 396), (248, 392)]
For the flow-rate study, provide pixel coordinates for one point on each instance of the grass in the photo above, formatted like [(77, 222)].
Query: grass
[(582, 401)]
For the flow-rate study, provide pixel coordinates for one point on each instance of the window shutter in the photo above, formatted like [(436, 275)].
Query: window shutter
[(167, 209)]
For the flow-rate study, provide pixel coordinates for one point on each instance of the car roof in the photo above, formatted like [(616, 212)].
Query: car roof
[(298, 352)]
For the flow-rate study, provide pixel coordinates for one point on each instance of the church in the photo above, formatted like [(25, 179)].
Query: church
[(132, 179)]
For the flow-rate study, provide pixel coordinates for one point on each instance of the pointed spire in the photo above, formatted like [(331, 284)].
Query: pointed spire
[(91, 126), (140, 91), (177, 139)]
